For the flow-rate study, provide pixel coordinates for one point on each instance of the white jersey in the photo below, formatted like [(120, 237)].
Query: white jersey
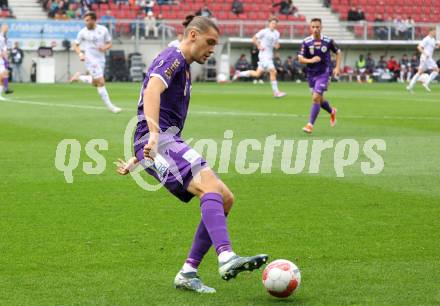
[(428, 43), (91, 40), (268, 40)]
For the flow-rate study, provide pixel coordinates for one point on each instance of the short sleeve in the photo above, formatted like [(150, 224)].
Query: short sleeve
[(79, 38), (334, 46), (302, 51), (167, 68), (424, 42), (107, 36), (260, 34)]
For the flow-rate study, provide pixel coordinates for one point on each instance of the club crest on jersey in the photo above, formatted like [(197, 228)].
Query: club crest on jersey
[(169, 71), (324, 49)]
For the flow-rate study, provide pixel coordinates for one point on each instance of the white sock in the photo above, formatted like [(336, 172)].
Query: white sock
[(432, 76), (187, 268), (245, 74), (367, 78), (1, 90), (414, 80), (358, 78), (104, 95), (401, 76), (275, 86), (86, 79), (408, 77), (225, 256)]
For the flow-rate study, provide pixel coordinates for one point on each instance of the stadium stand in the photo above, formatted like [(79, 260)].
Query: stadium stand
[(253, 10), (424, 11)]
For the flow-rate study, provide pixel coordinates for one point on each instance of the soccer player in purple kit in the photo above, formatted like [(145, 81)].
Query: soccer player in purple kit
[(162, 110), (315, 53)]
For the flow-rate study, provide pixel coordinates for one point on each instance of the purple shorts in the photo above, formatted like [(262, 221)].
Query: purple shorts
[(319, 83), (175, 165)]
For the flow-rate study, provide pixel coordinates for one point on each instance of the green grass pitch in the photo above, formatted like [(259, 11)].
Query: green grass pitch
[(359, 239)]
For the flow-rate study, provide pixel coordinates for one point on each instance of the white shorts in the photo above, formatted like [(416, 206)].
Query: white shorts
[(428, 64), (95, 68), (266, 65), (2, 65)]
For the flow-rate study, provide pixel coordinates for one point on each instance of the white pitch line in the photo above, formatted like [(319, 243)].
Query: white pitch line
[(221, 113)]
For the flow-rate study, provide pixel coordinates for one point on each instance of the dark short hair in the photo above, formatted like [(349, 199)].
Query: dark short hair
[(202, 24), (91, 15), (316, 20)]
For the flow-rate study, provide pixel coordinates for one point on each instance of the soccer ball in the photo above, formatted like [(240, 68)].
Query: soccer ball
[(281, 277), (221, 78)]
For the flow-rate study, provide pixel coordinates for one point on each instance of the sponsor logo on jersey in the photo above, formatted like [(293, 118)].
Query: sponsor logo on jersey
[(169, 71)]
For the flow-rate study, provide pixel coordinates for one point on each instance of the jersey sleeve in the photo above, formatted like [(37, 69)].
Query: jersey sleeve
[(166, 69), (260, 34), (334, 46), (303, 50), (107, 36), (79, 38), (424, 42)]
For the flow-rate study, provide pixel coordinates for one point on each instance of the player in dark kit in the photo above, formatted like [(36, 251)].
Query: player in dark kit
[(162, 110), (315, 53)]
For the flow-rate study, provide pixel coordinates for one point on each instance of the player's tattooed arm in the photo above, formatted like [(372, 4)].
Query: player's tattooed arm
[(124, 167), (152, 94)]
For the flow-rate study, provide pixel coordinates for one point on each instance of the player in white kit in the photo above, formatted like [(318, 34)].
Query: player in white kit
[(426, 49), (95, 40), (266, 40), (3, 54)]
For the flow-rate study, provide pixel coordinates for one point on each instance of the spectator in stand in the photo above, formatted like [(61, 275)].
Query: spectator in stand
[(380, 31), (278, 63), (327, 3), (237, 7), (71, 11), (352, 14), (394, 68), (138, 21), (4, 5), (399, 27), (370, 64), (405, 67), (147, 5), (151, 25), (360, 14), (409, 22), (204, 12), (109, 21), (242, 64), (17, 56), (286, 7)]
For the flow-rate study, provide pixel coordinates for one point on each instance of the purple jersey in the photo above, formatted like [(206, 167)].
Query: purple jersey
[(318, 47), (170, 67)]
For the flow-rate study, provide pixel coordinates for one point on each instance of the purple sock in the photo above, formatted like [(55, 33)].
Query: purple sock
[(213, 216), (325, 105), (6, 83), (314, 112), (201, 244)]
